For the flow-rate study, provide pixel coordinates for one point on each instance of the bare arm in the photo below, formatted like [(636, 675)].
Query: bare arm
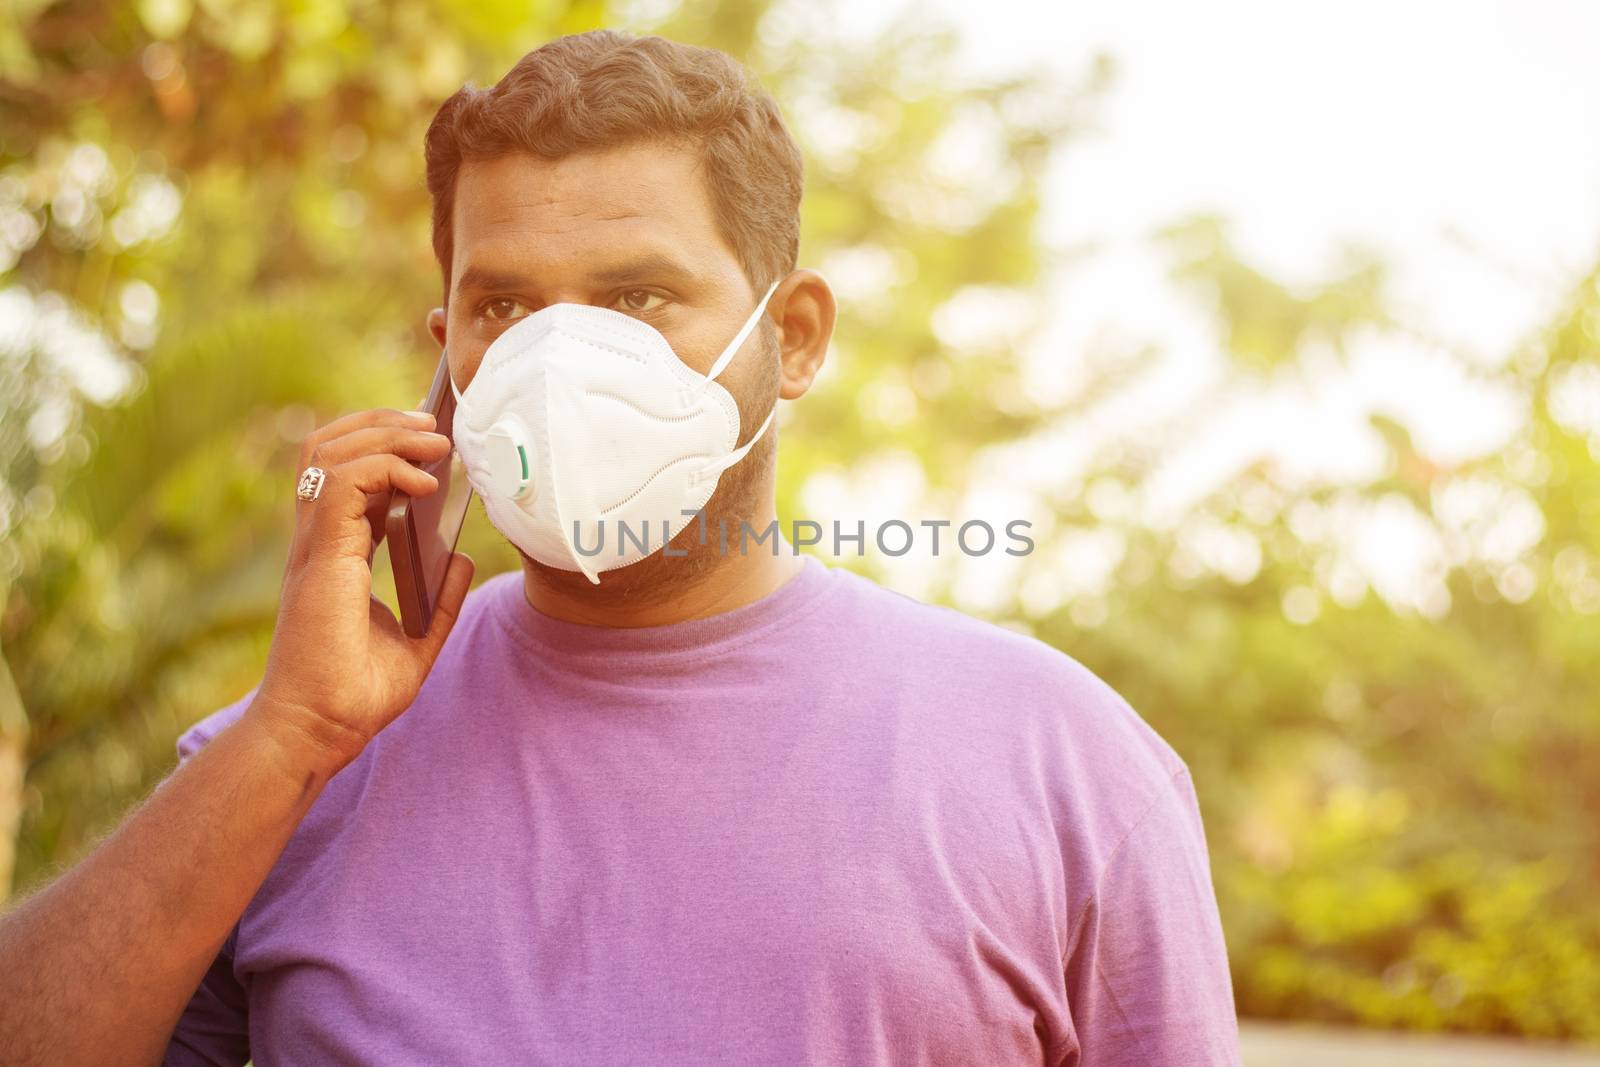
[(106, 958), (98, 967)]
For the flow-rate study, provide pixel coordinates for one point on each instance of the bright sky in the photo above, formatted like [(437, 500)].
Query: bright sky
[(1455, 137), (1310, 122)]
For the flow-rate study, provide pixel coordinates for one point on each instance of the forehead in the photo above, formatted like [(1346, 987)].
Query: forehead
[(563, 212)]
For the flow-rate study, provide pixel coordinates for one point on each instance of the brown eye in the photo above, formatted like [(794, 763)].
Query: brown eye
[(504, 309), (639, 300)]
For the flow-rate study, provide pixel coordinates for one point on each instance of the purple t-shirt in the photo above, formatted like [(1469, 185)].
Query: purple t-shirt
[(835, 826)]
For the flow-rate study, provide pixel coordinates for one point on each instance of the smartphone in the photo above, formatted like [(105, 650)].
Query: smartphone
[(422, 531)]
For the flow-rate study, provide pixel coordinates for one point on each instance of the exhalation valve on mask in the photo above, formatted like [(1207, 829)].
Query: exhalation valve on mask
[(590, 442)]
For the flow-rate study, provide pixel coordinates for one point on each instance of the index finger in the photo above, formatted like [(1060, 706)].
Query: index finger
[(357, 420)]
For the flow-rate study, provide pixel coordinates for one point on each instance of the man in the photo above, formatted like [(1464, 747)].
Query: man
[(646, 805)]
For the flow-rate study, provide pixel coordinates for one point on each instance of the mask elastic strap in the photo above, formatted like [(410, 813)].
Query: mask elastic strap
[(743, 450), (739, 339)]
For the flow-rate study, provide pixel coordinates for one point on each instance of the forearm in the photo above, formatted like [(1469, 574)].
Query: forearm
[(97, 967)]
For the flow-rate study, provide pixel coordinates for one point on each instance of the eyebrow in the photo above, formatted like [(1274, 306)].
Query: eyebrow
[(478, 279), (650, 267), (653, 266)]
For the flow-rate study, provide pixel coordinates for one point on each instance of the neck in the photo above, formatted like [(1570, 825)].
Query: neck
[(723, 583)]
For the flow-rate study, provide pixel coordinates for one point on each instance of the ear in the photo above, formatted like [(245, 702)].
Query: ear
[(436, 323), (803, 308)]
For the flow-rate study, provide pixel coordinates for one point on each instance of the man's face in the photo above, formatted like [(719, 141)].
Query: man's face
[(631, 229)]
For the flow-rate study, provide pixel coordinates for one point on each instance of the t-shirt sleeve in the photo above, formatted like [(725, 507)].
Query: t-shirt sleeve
[(1147, 970), (214, 1029)]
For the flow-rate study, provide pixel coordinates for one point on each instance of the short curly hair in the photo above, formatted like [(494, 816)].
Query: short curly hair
[(603, 89)]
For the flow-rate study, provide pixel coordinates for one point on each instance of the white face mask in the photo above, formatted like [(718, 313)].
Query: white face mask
[(588, 438)]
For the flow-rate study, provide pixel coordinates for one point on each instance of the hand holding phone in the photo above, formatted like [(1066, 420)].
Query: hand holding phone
[(341, 666), (423, 531)]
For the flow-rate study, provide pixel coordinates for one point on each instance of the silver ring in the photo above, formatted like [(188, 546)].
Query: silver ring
[(310, 486)]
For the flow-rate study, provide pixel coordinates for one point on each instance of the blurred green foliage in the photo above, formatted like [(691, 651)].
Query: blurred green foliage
[(213, 224)]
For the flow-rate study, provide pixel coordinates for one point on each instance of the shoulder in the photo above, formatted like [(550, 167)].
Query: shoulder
[(1093, 742), (478, 613), (1011, 665)]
